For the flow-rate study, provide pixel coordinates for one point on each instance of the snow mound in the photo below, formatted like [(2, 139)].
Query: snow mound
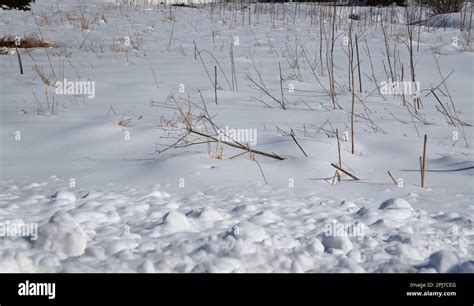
[(395, 203), (348, 205), (65, 196), (157, 194), (174, 222), (147, 267), (396, 210), (465, 267), (249, 231), (350, 264), (210, 214), (316, 246), (118, 245), (224, 265), (62, 235), (265, 217), (342, 243), (355, 255), (442, 260)]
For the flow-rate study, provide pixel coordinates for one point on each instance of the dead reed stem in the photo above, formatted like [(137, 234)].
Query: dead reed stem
[(392, 177), (424, 162), (346, 172)]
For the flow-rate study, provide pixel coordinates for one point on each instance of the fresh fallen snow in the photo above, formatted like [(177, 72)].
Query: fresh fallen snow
[(257, 228), (106, 203)]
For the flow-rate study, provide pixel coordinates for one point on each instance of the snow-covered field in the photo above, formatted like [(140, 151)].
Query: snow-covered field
[(110, 181)]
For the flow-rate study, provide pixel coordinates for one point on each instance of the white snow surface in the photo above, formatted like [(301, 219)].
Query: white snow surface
[(104, 203)]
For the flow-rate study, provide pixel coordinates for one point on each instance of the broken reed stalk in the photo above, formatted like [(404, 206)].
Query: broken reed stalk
[(372, 68), (392, 177), (188, 126), (446, 112), (331, 62), (416, 98), (218, 64), (351, 66), (387, 51), (281, 87), (195, 50), (335, 178), (19, 60), (468, 41), (358, 63), (292, 136), (349, 63), (423, 171), (338, 148), (346, 172), (250, 15), (321, 43), (232, 65), (264, 90), (261, 171), (241, 147), (171, 35), (419, 29), (336, 174), (215, 83), (154, 77)]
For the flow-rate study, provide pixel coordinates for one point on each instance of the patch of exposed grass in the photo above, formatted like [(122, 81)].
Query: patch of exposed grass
[(29, 41)]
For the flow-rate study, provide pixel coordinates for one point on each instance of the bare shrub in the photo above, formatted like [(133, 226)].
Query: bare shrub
[(445, 6)]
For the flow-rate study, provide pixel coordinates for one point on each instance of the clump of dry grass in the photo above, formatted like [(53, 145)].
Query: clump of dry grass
[(48, 106), (124, 121), (84, 24), (78, 22), (44, 20), (29, 41), (46, 79)]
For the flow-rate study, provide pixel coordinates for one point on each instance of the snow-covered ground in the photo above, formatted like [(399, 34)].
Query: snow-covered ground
[(88, 178)]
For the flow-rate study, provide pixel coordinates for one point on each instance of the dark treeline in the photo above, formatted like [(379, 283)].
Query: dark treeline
[(437, 6), (348, 2), (16, 4)]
